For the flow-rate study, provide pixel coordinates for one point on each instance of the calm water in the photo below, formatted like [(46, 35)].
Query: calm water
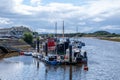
[(103, 63)]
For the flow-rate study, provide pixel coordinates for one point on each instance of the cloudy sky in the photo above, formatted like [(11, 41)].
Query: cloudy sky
[(41, 15)]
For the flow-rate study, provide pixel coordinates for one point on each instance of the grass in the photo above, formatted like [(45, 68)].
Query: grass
[(23, 47), (6, 55), (117, 39)]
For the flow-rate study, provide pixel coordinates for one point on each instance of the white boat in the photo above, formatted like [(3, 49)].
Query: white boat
[(35, 54), (28, 53)]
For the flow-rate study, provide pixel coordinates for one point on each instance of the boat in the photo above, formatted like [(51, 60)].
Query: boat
[(62, 52), (52, 60), (40, 56), (28, 53), (76, 55), (35, 54)]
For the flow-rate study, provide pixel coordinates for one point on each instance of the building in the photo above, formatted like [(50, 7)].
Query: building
[(16, 32)]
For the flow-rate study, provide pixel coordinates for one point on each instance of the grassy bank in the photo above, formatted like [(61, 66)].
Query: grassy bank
[(6, 55), (23, 47), (110, 38), (13, 46)]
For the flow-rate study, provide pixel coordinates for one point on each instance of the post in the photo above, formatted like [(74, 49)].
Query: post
[(85, 57), (46, 49), (38, 42), (70, 53), (85, 54)]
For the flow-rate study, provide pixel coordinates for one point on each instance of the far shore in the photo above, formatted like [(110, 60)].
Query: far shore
[(117, 39)]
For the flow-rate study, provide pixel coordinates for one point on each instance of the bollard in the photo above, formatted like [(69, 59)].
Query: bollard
[(86, 68)]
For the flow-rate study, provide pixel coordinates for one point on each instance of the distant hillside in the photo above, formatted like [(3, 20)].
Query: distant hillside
[(102, 33)]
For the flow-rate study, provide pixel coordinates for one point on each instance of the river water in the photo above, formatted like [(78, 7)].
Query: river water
[(103, 64)]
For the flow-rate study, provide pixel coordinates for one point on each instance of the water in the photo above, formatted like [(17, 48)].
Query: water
[(103, 63)]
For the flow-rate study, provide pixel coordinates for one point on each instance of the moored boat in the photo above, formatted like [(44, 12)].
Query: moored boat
[(28, 53), (35, 54), (52, 60)]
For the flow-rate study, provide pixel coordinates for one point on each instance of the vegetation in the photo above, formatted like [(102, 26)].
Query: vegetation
[(102, 33), (28, 37), (35, 34), (99, 34), (94, 34)]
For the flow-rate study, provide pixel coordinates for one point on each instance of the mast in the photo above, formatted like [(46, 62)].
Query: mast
[(56, 29), (64, 38), (77, 32), (56, 36), (63, 29)]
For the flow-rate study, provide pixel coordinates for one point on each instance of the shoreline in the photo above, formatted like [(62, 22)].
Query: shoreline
[(116, 39), (15, 53), (7, 55)]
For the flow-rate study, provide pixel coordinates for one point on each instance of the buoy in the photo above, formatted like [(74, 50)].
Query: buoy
[(86, 68)]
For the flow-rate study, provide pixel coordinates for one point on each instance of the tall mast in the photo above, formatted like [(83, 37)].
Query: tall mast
[(63, 38), (56, 29), (56, 36), (63, 29), (77, 32)]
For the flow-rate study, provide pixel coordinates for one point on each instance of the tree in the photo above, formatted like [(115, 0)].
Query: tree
[(28, 37), (35, 34), (102, 33)]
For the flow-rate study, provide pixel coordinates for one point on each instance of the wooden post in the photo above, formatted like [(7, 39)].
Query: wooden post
[(38, 42), (70, 53), (46, 49)]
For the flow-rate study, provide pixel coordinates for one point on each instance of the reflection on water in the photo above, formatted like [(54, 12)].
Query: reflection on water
[(103, 63), (25, 67)]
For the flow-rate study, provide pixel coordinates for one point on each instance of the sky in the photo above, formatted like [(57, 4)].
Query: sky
[(40, 15)]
